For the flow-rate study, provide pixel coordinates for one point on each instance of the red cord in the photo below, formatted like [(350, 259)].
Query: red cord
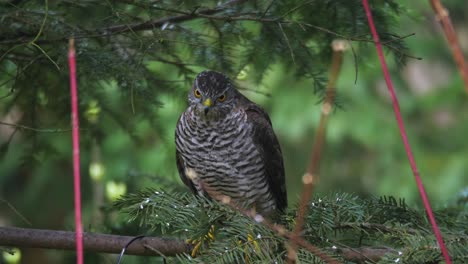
[(401, 127), (76, 152)]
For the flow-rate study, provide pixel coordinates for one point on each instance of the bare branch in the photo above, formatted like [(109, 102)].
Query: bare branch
[(444, 18), (311, 176), (53, 239), (42, 130)]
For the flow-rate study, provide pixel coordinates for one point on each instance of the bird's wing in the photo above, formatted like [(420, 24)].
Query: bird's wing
[(181, 168), (268, 145)]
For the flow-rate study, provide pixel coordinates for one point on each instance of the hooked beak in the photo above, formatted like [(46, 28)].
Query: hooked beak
[(208, 104)]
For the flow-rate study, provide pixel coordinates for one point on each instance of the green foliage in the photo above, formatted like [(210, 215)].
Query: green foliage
[(121, 44), (137, 59), (335, 222)]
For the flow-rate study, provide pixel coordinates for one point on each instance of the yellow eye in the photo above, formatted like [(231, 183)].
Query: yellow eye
[(197, 93), (222, 98)]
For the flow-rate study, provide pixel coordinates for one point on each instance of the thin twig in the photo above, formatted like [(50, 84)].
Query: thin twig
[(399, 38), (76, 151), (41, 130), (404, 136), (442, 15), (374, 226), (287, 42), (311, 176), (365, 254), (16, 211)]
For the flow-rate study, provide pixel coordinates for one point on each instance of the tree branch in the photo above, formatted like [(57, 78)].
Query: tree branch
[(104, 243), (147, 246), (146, 25), (210, 14)]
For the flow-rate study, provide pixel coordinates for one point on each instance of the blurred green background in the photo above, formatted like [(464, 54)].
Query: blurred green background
[(364, 152)]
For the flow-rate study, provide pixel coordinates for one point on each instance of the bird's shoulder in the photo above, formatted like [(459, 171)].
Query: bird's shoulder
[(255, 113)]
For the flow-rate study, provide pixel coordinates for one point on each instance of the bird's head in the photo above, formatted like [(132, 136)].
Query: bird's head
[(212, 95)]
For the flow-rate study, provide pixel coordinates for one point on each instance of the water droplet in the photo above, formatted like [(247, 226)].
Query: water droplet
[(164, 26)]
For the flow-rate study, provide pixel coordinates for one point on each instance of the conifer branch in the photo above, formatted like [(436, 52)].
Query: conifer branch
[(124, 28), (211, 14), (147, 246)]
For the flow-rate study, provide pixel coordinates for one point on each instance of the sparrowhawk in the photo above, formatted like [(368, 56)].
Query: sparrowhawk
[(225, 145)]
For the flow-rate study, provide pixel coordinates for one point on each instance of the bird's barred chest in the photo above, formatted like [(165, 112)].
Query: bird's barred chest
[(221, 155)]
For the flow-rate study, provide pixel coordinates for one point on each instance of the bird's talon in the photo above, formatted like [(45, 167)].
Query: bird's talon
[(208, 239)]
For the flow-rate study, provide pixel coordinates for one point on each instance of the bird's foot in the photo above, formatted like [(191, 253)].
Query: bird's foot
[(250, 246), (197, 243)]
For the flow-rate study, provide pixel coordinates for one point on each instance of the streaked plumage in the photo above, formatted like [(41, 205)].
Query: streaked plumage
[(228, 142)]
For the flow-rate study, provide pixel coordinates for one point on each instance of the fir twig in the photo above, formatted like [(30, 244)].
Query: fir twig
[(287, 42)]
